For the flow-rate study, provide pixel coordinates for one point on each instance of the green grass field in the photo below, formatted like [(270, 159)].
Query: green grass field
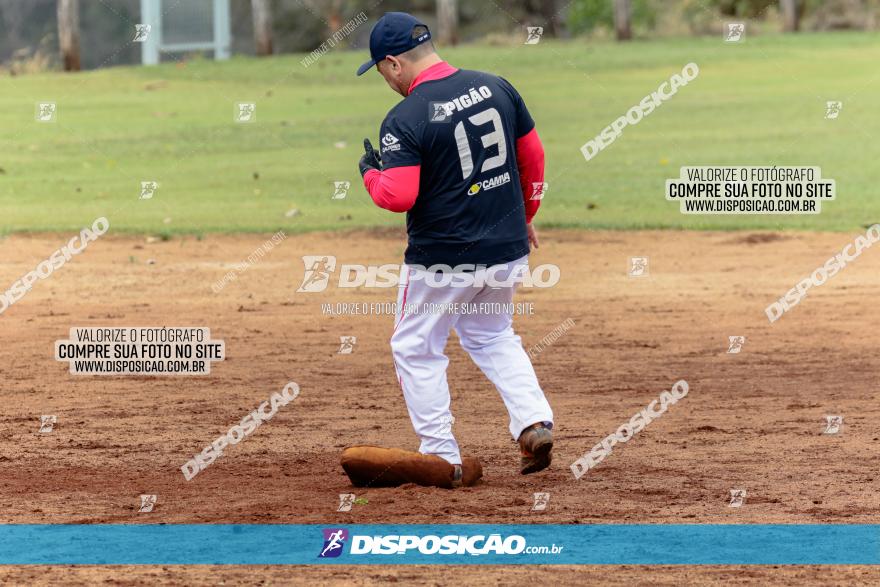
[(761, 102)]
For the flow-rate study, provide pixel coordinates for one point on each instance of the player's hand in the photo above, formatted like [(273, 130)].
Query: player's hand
[(533, 236), (370, 159)]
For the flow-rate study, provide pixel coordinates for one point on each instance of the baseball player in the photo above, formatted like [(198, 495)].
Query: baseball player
[(460, 155)]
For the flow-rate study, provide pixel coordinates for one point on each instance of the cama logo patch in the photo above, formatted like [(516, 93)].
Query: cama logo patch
[(489, 184)]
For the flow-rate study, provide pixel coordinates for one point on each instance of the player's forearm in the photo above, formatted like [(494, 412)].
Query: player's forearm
[(530, 162), (394, 189)]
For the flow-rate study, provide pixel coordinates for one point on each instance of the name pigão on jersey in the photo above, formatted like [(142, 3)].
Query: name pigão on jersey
[(472, 97), (490, 183)]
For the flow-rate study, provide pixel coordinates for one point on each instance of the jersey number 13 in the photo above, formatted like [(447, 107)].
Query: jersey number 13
[(494, 138)]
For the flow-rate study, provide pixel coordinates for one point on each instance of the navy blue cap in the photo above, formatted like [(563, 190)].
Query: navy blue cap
[(392, 35)]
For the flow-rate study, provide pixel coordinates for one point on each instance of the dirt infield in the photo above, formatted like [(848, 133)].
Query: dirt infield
[(447, 575), (752, 420)]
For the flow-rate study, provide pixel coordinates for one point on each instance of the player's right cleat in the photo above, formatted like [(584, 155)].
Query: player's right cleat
[(536, 446)]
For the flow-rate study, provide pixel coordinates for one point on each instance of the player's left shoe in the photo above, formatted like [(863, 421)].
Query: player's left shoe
[(536, 445)]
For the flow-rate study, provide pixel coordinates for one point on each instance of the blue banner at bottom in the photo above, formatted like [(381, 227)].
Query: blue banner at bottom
[(294, 544)]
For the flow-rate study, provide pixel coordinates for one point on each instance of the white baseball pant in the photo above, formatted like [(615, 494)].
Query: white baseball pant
[(418, 345)]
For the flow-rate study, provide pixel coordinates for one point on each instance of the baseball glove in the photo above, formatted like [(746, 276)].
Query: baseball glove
[(370, 159), (374, 466)]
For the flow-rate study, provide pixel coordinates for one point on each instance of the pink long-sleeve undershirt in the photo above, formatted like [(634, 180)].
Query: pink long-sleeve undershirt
[(396, 189)]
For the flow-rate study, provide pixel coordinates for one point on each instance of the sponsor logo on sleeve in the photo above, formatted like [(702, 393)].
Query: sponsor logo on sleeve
[(390, 143)]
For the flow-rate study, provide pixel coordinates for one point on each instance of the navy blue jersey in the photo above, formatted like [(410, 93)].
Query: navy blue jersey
[(462, 131)]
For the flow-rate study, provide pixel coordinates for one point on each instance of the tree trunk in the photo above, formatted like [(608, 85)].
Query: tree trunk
[(551, 19), (622, 19), (262, 14), (447, 22), (334, 17), (791, 15), (68, 33), (13, 15)]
